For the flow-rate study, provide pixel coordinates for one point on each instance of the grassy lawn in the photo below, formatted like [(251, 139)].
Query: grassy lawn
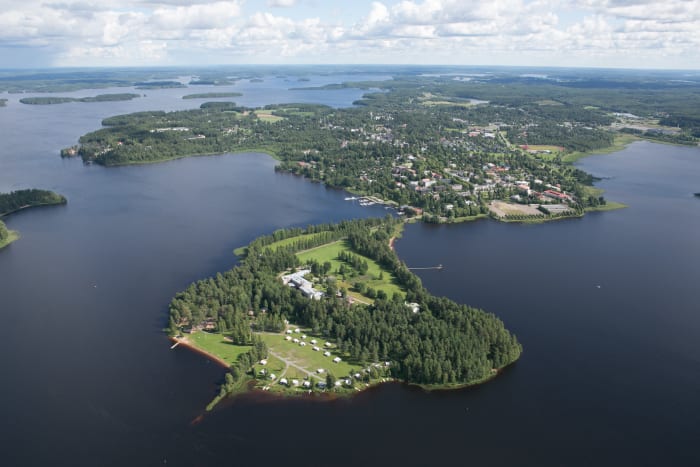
[(289, 241), (457, 103), (307, 358), (267, 116), (544, 147), (215, 344), (608, 206), (330, 251)]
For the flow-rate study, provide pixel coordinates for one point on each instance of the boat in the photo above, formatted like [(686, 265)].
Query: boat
[(697, 194)]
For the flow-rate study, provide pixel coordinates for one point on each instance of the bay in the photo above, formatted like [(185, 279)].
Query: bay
[(609, 374)]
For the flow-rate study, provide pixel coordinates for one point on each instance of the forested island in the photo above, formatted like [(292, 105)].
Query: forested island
[(211, 95), (331, 308), (23, 199), (51, 100)]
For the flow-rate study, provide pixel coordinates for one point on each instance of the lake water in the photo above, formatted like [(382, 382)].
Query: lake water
[(609, 376)]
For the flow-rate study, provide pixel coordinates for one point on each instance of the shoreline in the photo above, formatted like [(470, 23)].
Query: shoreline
[(12, 237), (183, 341), (30, 206)]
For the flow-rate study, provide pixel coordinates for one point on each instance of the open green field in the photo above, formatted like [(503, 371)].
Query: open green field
[(291, 240), (215, 344), (548, 102), (307, 358), (432, 103), (608, 206), (330, 251), (267, 116), (544, 147)]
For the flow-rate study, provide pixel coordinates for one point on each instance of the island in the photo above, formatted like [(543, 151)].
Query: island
[(23, 199), (331, 309), (159, 85), (52, 100), (211, 95)]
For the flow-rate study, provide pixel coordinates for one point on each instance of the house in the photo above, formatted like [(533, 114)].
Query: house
[(295, 382), (263, 362), (338, 383), (297, 330), (306, 384), (288, 338), (328, 344), (313, 341), (320, 370), (303, 344), (326, 354), (295, 340), (288, 331), (336, 359), (414, 307), (348, 382), (556, 195), (283, 381), (303, 336), (273, 376), (316, 349), (321, 385)]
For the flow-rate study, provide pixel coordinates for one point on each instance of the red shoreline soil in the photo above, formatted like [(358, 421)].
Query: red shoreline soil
[(183, 341)]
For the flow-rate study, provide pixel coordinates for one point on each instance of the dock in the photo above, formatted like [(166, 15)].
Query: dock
[(439, 266)]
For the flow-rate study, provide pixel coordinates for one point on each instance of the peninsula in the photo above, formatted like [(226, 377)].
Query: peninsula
[(436, 149), (331, 309), (211, 95), (23, 199)]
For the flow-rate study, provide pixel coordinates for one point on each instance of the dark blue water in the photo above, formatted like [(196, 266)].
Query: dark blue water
[(609, 375)]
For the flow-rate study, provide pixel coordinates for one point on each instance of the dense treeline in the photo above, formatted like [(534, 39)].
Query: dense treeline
[(62, 100), (443, 343), (20, 199)]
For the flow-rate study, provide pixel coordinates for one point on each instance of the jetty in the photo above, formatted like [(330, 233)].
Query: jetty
[(439, 266)]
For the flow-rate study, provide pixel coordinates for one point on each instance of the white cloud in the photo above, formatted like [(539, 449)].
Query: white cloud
[(281, 3), (550, 32)]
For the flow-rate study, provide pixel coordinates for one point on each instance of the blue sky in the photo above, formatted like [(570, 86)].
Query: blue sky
[(593, 33)]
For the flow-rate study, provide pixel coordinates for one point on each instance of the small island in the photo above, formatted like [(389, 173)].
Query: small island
[(332, 310), (211, 95), (23, 199), (168, 84), (63, 100)]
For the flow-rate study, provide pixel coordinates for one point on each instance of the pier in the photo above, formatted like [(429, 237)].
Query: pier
[(439, 266)]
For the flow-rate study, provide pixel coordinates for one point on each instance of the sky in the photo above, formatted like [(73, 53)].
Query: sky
[(588, 33)]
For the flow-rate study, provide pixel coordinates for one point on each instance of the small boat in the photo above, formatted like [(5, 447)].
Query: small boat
[(697, 194)]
